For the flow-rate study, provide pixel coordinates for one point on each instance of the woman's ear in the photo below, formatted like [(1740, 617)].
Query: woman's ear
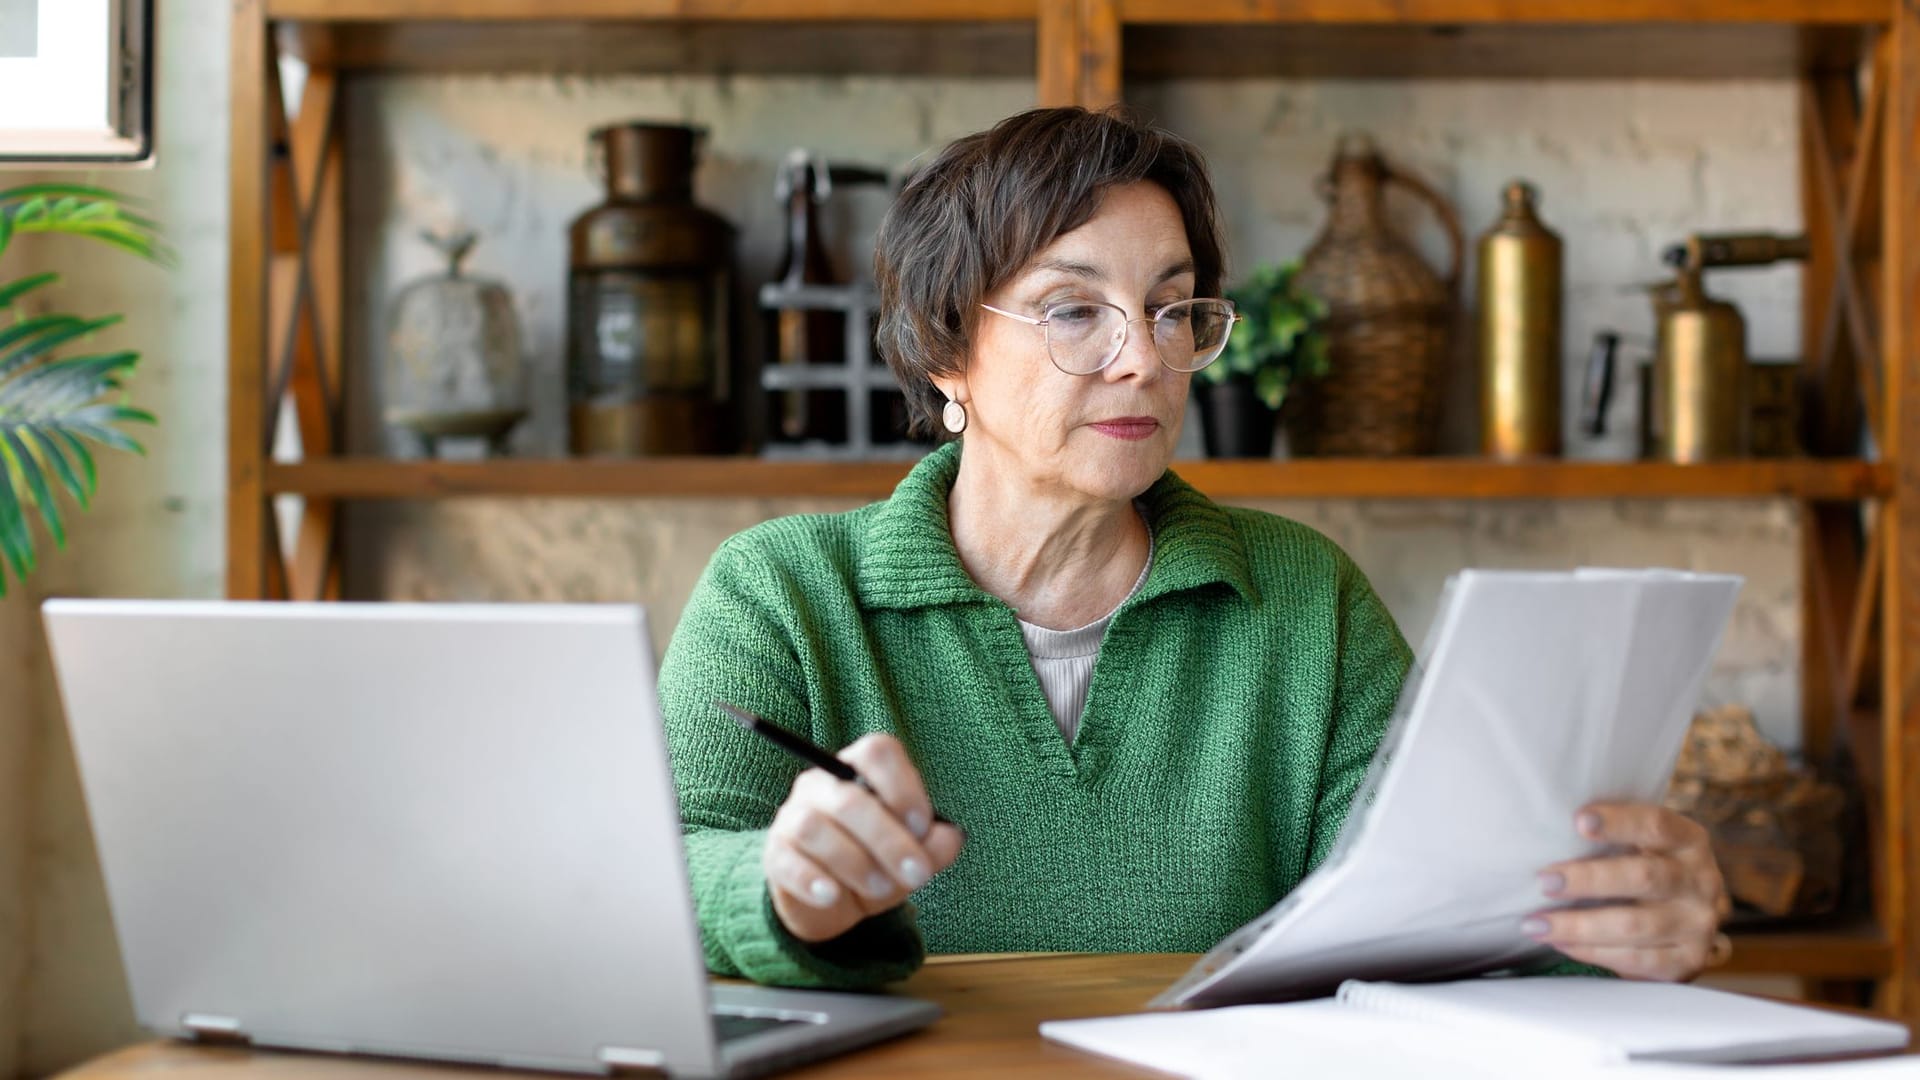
[(953, 386)]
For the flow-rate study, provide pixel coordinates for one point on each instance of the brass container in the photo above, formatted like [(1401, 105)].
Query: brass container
[(1520, 298), (650, 285), (1697, 409), (1388, 322)]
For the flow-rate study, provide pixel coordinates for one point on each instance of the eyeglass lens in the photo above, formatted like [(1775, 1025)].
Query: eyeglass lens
[(1084, 338)]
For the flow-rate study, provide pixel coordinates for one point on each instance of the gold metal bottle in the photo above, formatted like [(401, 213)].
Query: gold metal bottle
[(1698, 407), (1520, 297)]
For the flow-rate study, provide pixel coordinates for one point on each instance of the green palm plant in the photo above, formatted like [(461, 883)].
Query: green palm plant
[(53, 405)]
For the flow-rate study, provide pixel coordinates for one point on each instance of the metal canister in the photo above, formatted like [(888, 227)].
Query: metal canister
[(649, 358), (1698, 398), (1520, 298)]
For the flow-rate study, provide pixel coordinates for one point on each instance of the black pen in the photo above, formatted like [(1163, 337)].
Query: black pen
[(799, 747)]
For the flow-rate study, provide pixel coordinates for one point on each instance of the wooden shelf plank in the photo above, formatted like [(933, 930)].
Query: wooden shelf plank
[(401, 11), (1424, 478), (1703, 50), (1844, 952), (1514, 12), (997, 49)]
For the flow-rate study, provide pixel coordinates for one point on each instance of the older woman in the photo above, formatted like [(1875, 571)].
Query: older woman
[(1148, 712)]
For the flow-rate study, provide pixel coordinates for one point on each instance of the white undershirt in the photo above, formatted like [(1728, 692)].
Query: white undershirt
[(1063, 659)]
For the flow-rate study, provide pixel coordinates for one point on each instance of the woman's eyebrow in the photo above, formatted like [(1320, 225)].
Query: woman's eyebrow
[(1174, 270), (1089, 272), (1084, 271)]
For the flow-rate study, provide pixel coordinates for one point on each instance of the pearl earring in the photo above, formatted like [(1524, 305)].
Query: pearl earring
[(954, 416)]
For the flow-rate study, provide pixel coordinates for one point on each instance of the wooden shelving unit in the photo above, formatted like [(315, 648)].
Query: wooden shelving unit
[(1859, 162)]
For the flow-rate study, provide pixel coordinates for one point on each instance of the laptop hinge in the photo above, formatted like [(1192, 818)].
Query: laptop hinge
[(629, 1061), (208, 1028)]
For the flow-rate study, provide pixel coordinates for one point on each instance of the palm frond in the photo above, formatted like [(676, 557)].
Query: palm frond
[(81, 210), (14, 290), (49, 409), (51, 406)]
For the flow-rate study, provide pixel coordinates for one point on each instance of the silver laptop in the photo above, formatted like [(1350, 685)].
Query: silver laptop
[(433, 831)]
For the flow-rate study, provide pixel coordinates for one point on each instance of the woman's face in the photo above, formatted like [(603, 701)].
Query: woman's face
[(1107, 435)]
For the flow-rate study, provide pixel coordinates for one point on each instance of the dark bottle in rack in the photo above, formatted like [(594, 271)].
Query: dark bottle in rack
[(650, 285), (803, 336)]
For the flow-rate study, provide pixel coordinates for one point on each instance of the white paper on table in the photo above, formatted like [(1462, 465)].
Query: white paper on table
[(1306, 1039), (1541, 692), (1327, 1038)]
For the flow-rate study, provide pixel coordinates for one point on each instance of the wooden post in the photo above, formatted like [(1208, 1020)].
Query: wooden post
[(1079, 53), (247, 534), (1900, 345), (1057, 46), (1099, 53)]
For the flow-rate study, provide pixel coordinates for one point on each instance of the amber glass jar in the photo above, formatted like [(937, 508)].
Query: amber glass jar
[(650, 282)]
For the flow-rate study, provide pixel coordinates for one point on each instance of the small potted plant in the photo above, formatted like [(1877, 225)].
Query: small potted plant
[(1278, 340)]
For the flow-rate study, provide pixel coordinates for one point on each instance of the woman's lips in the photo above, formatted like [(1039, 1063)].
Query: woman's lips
[(1130, 428)]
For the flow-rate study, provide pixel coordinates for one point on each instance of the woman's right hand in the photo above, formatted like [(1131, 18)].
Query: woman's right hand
[(837, 854)]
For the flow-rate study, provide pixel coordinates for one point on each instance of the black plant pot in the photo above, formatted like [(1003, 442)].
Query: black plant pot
[(1234, 422)]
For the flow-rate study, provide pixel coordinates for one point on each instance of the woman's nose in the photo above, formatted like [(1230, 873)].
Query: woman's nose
[(1139, 358)]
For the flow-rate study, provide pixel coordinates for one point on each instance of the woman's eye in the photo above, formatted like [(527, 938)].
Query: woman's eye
[(1076, 314)]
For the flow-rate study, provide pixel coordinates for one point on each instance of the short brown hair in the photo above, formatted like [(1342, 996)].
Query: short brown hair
[(972, 218)]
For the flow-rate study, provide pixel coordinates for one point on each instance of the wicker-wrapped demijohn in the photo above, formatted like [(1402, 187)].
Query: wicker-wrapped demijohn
[(1389, 317)]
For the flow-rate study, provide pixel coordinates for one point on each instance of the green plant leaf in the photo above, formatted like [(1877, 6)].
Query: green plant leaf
[(104, 435), (45, 332), (22, 463), (81, 210), (49, 451), (84, 191), (16, 542), (12, 291), (1270, 386), (79, 450)]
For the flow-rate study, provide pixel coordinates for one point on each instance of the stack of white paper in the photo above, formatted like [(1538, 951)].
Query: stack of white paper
[(1540, 692)]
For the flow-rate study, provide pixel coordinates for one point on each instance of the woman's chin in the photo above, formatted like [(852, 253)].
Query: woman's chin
[(1125, 470)]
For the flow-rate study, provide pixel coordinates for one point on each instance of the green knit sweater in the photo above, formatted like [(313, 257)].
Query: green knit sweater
[(1237, 700)]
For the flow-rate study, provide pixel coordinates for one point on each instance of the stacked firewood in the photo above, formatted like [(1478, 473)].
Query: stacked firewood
[(1776, 827)]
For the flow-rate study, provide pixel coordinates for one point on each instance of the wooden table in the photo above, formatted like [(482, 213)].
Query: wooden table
[(994, 1005)]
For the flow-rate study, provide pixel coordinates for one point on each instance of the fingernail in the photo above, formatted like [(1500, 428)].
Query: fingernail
[(917, 824), (878, 886), (1553, 884), (1534, 927), (1589, 824), (911, 872), (823, 893)]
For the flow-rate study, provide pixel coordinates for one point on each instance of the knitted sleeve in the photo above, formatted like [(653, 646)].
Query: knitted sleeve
[(1370, 663), (731, 645)]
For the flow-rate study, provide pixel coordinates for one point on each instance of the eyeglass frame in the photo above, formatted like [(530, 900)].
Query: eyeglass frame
[(1126, 333)]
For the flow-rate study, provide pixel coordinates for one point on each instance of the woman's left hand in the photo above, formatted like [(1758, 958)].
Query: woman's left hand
[(1661, 895)]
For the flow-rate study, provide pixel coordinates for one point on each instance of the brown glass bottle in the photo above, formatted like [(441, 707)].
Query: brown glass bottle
[(802, 336), (649, 289)]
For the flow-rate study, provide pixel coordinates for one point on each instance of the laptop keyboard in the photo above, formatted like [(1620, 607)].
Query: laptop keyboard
[(731, 1026)]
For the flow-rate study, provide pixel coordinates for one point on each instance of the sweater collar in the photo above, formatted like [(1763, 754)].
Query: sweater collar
[(908, 559)]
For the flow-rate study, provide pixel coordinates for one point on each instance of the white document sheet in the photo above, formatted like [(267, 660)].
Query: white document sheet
[(1327, 1038), (1540, 693)]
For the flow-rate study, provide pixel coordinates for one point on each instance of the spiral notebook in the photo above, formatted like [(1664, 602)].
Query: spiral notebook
[(1489, 1027)]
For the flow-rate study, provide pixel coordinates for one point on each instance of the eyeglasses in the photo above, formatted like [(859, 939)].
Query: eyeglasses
[(1084, 337)]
